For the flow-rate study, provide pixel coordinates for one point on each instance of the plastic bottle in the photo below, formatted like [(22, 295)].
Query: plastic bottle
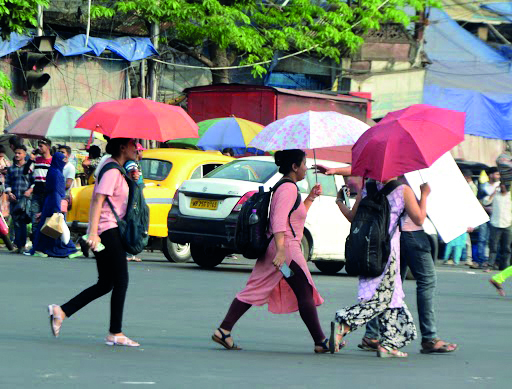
[(253, 219)]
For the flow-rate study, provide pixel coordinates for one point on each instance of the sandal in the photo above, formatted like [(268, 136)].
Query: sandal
[(55, 327), (498, 287), (336, 331), (223, 342), (321, 348), (429, 347), (383, 352), (368, 344), (120, 340)]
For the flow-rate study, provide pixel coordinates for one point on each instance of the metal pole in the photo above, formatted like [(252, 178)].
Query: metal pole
[(127, 84), (143, 79), (39, 20), (88, 30), (153, 81)]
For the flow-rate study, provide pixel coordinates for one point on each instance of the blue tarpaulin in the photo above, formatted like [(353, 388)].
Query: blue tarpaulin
[(129, 48), (468, 75), (503, 9), (14, 43)]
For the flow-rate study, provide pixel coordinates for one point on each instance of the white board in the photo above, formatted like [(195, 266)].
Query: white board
[(451, 205)]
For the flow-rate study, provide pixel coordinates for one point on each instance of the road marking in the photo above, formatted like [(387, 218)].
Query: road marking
[(139, 383), (471, 272)]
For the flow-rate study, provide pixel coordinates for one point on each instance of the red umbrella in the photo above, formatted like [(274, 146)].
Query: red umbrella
[(407, 140), (139, 118)]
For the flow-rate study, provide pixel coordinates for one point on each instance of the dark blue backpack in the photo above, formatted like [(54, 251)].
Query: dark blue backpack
[(134, 227)]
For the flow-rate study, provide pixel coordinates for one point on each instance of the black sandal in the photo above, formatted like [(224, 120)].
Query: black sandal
[(321, 348), (368, 345), (428, 347), (223, 342)]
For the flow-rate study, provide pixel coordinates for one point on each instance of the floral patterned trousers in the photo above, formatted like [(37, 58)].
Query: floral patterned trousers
[(396, 325)]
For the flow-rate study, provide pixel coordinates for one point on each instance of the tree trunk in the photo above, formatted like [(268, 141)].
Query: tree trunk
[(220, 59)]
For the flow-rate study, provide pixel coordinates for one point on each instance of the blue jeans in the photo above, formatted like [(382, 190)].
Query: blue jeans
[(415, 252), (483, 240)]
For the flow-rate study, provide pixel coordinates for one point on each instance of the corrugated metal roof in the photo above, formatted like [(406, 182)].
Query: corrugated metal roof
[(242, 87)]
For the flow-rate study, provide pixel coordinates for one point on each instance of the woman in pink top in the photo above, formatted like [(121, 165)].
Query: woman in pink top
[(111, 261), (267, 285)]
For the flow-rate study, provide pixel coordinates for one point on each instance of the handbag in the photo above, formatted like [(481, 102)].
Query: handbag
[(66, 234), (52, 226)]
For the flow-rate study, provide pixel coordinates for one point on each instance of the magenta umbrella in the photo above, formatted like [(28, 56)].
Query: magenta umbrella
[(407, 140)]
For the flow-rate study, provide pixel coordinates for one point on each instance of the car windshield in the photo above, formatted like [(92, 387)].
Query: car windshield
[(245, 170), (155, 169)]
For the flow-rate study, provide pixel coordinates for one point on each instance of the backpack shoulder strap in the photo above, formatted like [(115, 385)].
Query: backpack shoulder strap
[(104, 169), (297, 201), (110, 166), (281, 182), (371, 187), (390, 187)]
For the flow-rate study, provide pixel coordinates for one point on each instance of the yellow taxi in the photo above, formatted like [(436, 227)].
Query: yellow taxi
[(164, 170)]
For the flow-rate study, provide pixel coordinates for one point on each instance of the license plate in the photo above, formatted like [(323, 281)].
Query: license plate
[(204, 204)]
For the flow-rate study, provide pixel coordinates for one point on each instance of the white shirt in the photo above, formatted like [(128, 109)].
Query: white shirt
[(501, 216), (69, 171), (489, 189)]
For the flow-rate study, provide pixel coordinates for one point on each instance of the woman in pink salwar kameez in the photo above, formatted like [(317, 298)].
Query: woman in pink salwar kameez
[(266, 284)]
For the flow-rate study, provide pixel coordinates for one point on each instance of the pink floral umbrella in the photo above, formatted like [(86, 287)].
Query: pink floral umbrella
[(310, 130)]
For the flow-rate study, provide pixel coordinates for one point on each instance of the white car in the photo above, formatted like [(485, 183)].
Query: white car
[(205, 212)]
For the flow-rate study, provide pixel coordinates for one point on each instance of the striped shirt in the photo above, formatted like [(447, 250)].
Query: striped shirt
[(504, 162), (40, 166)]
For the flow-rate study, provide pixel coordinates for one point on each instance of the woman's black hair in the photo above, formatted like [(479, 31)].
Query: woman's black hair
[(228, 150), (114, 146), (94, 152), (286, 158)]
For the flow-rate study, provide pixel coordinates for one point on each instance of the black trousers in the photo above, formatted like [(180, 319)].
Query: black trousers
[(307, 308), (112, 276)]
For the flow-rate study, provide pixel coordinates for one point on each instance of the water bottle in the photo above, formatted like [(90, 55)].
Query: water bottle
[(253, 219)]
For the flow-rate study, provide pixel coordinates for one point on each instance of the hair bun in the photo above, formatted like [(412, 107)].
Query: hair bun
[(278, 158)]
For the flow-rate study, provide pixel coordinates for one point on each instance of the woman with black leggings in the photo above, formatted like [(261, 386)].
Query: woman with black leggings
[(267, 285), (111, 261)]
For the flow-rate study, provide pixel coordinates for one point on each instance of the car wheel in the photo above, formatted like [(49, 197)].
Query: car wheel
[(329, 267), (175, 252), (206, 256), (304, 246)]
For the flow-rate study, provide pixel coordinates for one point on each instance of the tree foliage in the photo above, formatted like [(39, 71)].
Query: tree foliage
[(224, 32), (15, 16)]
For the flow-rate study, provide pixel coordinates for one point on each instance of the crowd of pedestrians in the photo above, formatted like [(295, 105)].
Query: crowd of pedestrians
[(36, 187)]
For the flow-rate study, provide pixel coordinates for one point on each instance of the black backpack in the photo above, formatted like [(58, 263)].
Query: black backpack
[(368, 245), (133, 228), (251, 239)]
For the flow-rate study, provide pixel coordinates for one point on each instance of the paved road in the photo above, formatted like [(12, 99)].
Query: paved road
[(172, 310)]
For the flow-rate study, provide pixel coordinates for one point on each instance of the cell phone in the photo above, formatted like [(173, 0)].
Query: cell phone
[(287, 272), (99, 247)]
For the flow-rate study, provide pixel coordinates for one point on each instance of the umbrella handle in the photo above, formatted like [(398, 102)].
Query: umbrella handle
[(316, 169), (90, 140)]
